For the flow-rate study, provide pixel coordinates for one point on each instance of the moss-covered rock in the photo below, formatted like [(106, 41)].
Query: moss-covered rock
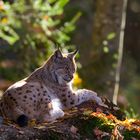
[(87, 121)]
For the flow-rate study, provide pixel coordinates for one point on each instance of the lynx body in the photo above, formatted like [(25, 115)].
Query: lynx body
[(46, 93)]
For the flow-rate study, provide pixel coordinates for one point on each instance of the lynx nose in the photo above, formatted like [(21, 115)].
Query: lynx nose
[(68, 78)]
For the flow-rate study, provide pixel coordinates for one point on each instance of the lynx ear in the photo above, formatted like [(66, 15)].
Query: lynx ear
[(73, 54), (58, 54)]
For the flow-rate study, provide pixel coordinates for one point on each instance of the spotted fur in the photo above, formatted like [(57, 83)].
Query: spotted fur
[(46, 93)]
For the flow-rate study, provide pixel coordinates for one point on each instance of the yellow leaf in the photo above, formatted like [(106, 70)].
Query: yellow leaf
[(4, 20), (77, 81)]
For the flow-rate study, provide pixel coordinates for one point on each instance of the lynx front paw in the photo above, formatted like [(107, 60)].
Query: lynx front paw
[(99, 101)]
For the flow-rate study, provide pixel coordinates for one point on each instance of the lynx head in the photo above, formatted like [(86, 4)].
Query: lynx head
[(62, 67)]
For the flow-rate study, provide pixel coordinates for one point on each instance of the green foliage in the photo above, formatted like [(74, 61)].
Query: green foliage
[(130, 134), (33, 28), (111, 36), (130, 113), (91, 124)]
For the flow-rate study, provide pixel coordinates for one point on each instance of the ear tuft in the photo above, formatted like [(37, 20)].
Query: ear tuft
[(73, 54)]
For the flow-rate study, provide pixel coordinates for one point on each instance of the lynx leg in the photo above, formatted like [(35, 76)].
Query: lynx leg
[(54, 112), (53, 115)]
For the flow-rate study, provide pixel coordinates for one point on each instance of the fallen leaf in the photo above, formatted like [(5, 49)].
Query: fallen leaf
[(97, 131), (21, 132), (134, 138), (87, 112), (40, 127), (105, 134), (117, 134), (32, 122), (99, 109), (73, 129)]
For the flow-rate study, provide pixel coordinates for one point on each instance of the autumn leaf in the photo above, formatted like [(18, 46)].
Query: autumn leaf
[(73, 129), (97, 132)]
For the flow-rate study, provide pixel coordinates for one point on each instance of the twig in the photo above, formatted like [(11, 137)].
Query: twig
[(120, 52)]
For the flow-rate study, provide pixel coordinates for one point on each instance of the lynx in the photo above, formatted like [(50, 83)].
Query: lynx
[(46, 93)]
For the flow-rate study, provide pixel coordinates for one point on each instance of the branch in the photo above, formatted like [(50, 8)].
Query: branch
[(120, 52)]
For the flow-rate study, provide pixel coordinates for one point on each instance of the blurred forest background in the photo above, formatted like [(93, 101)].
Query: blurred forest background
[(30, 30)]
